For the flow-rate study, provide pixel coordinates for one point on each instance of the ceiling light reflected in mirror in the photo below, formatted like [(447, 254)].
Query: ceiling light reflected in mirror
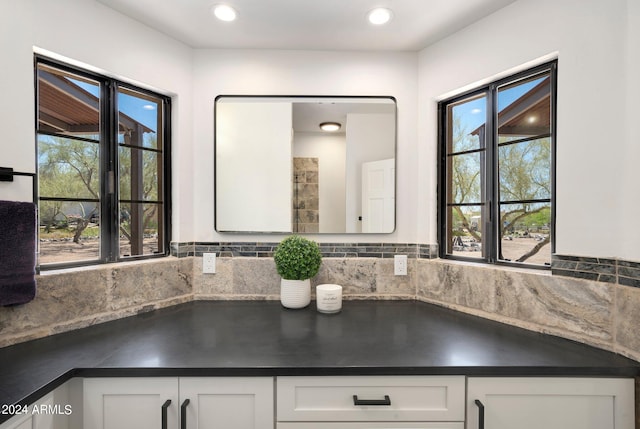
[(330, 126)]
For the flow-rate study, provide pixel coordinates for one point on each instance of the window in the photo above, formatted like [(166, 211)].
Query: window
[(496, 173), (103, 168)]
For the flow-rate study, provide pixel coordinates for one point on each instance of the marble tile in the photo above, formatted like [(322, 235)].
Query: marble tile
[(59, 298), (213, 284), (457, 284), (255, 276), (389, 283), (355, 275), (148, 281), (119, 314), (628, 319), (578, 307)]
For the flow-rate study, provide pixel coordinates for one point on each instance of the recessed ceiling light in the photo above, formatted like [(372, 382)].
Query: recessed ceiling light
[(224, 12), (330, 126), (380, 15)]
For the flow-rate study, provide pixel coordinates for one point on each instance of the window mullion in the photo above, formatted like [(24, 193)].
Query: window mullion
[(490, 197), (109, 174), (553, 70)]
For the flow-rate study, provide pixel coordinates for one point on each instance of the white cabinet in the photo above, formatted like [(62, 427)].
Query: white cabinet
[(407, 401), (227, 402), (161, 402), (53, 411), (20, 421), (332, 402), (135, 403), (550, 403)]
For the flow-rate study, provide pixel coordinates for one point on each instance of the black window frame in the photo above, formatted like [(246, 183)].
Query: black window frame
[(109, 165), (489, 168)]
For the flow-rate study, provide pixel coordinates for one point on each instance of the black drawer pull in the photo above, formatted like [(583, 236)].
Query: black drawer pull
[(183, 414), (164, 413), (376, 402), (480, 414)]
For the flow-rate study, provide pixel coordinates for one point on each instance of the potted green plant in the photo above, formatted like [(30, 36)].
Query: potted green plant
[(297, 260)]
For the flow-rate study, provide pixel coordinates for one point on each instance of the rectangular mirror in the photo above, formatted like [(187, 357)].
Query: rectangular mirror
[(277, 170)]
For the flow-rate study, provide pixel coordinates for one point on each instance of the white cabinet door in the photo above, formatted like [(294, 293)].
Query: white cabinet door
[(130, 403), (45, 418), (20, 421), (550, 403), (227, 402), (52, 411)]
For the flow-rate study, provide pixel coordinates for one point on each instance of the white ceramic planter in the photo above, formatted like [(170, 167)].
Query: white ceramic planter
[(295, 293)]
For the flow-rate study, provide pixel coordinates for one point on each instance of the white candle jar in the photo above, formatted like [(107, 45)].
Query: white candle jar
[(329, 298)]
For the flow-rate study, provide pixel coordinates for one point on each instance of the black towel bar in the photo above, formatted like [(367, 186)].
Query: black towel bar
[(7, 173)]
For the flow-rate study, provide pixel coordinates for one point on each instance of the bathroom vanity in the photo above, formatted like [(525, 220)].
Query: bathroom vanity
[(377, 364)]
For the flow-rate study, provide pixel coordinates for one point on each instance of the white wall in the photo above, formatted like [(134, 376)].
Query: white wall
[(256, 185), (368, 137), (630, 184), (330, 149), (85, 32), (269, 72), (596, 42), (589, 39)]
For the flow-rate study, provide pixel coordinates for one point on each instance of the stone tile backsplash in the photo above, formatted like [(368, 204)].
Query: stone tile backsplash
[(73, 299), (578, 309), (329, 250), (608, 270), (257, 278), (584, 299)]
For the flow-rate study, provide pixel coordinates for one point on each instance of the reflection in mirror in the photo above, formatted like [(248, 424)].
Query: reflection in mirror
[(278, 170)]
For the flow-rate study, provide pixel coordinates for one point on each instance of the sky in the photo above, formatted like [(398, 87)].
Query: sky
[(473, 113), (143, 111)]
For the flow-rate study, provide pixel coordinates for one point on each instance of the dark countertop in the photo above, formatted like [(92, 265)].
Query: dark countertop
[(251, 338)]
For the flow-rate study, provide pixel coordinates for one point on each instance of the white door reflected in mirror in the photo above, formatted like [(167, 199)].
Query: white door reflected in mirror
[(378, 195)]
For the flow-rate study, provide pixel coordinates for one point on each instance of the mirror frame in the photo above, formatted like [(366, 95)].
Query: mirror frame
[(346, 98)]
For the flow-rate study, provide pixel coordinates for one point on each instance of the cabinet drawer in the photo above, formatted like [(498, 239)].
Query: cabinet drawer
[(411, 398), (370, 425)]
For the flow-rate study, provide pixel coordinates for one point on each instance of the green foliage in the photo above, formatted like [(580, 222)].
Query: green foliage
[(70, 168), (297, 258)]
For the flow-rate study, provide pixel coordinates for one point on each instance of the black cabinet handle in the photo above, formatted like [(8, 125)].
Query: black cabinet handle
[(480, 414), (164, 413), (385, 401), (183, 414)]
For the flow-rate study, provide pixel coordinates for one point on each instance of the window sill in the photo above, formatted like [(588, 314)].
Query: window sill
[(107, 266), (544, 271)]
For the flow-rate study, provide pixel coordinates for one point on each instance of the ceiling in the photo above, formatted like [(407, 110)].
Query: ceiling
[(308, 24)]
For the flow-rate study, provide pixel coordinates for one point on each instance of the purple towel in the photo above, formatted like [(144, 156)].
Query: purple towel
[(17, 252)]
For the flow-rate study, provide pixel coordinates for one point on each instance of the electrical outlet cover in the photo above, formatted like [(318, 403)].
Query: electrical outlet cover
[(400, 265), (209, 263)]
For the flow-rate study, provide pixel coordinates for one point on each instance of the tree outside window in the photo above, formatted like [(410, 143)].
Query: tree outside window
[(496, 174), (102, 168)]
